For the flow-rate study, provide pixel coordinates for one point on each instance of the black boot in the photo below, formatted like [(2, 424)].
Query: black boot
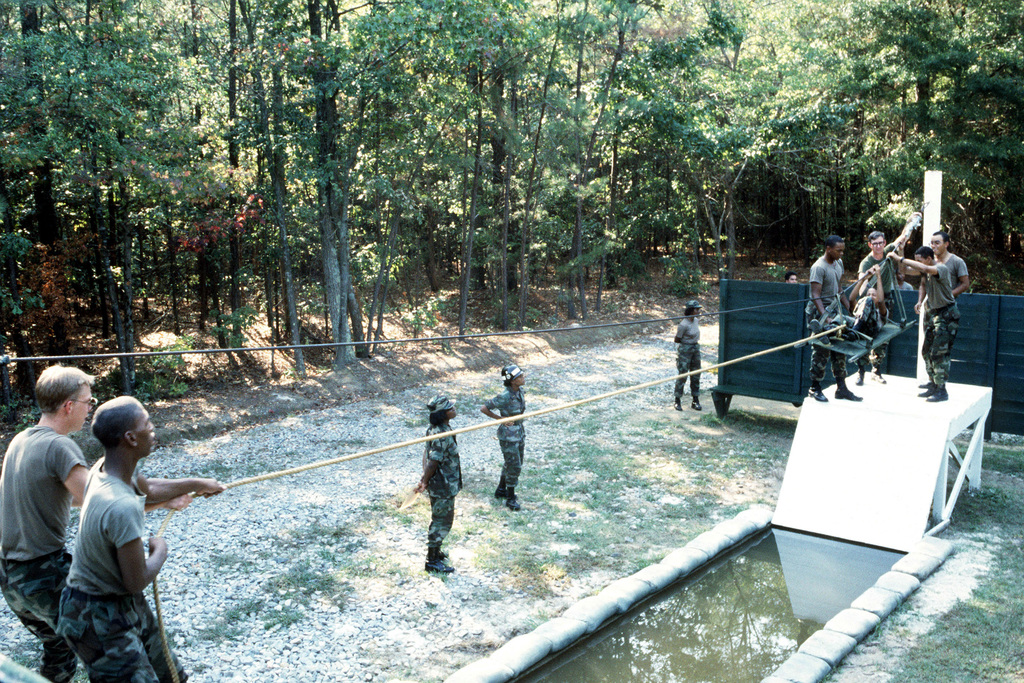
[(843, 392), (860, 377), (929, 390), (435, 563), (678, 407), (512, 503), (940, 394), (815, 392), (501, 491), (696, 404)]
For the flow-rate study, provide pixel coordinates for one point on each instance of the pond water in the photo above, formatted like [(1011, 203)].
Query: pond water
[(736, 620)]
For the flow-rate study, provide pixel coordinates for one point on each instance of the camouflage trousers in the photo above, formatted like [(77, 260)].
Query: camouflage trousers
[(512, 452), (442, 514), (939, 334), (117, 638), (819, 361), (32, 589), (877, 355), (687, 360)]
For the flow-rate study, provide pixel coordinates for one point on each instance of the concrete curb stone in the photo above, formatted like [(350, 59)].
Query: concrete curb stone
[(522, 652), (917, 565), (878, 601), (593, 611), (658, 575), (561, 632), (855, 623), (803, 668), (830, 646), (899, 583), (685, 560), (481, 671)]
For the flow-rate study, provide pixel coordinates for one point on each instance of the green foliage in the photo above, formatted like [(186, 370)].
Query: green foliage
[(424, 316), (682, 277), (240, 319), (156, 377)]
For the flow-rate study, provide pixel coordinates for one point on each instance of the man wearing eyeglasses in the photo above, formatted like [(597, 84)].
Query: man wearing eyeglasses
[(44, 474)]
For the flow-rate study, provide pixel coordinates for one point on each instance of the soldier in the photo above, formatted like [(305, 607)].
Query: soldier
[(104, 615), (942, 322), (871, 311), (826, 282), (886, 278), (442, 475), (688, 354), (511, 435), (44, 474)]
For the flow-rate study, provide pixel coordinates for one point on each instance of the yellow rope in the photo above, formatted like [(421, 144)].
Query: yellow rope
[(464, 430)]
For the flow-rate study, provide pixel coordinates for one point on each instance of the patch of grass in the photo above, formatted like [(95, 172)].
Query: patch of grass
[(228, 625), (980, 639), (301, 582)]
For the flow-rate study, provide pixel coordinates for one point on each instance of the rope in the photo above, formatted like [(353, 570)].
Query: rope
[(463, 430), (5, 359)]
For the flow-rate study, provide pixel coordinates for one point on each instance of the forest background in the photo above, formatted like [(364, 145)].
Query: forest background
[(209, 167)]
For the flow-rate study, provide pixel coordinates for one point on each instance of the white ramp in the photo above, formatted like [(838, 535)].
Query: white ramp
[(870, 472)]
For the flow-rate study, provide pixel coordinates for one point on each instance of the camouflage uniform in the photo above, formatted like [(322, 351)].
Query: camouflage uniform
[(829, 276), (688, 354), (941, 325), (511, 435), (887, 279), (117, 637), (444, 485), (939, 334), (32, 589)]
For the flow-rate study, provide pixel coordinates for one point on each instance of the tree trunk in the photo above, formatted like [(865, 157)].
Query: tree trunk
[(326, 125), (527, 234), (115, 306), (467, 249)]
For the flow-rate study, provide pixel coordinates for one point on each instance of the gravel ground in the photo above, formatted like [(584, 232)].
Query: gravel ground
[(316, 577)]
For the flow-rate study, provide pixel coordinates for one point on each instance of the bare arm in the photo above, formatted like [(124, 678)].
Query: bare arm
[(963, 285), (490, 413), (429, 467), (172, 492), (138, 571), (75, 484), (816, 297)]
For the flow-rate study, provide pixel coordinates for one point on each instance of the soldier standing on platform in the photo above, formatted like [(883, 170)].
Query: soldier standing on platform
[(942, 322), (688, 354), (887, 280), (511, 435), (826, 282)]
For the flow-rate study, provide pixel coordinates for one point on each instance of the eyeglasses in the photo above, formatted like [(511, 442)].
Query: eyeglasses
[(91, 400)]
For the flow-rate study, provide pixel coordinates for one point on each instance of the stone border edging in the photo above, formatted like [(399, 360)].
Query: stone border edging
[(820, 653), (589, 614)]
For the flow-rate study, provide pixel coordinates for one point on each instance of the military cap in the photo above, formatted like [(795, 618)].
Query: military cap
[(693, 303), (440, 402), (511, 371)]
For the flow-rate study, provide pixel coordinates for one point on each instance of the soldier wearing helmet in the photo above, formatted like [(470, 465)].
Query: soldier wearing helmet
[(688, 354), (442, 478), (511, 435)]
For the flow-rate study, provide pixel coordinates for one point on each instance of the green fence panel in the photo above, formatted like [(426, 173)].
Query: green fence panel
[(989, 349)]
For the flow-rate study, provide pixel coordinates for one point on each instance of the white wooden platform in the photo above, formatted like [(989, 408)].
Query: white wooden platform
[(871, 472)]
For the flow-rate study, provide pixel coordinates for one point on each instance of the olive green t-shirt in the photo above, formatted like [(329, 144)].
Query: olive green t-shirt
[(938, 288), (34, 503), (113, 515)]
